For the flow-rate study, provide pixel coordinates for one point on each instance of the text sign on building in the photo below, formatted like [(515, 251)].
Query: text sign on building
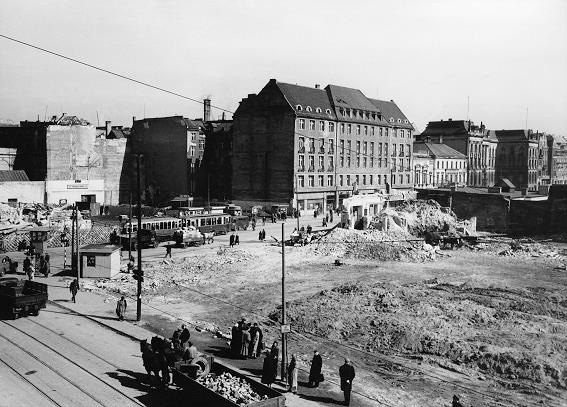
[(77, 186)]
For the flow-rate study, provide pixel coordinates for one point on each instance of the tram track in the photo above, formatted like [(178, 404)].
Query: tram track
[(59, 373)]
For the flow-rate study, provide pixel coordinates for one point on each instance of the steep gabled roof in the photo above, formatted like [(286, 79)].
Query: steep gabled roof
[(13, 176), (349, 98), (513, 135), (305, 96), (438, 150), (391, 109)]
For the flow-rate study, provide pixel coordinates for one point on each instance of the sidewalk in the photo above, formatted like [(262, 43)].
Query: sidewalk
[(100, 309)]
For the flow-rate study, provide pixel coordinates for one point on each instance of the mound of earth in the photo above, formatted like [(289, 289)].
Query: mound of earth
[(518, 334)]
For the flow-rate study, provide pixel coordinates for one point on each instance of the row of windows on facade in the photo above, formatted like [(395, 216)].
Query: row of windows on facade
[(442, 164), (353, 114), (201, 147), (349, 180), (347, 162), (427, 178), (322, 125), (346, 146)]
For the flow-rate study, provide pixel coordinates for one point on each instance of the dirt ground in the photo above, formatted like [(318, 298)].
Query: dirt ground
[(488, 323)]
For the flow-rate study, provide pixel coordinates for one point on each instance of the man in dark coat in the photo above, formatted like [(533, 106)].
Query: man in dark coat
[(121, 306), (346, 372), (232, 240), (185, 335), (74, 288), (315, 371), (235, 340), (237, 240)]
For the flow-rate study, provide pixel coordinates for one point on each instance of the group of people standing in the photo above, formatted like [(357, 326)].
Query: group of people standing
[(246, 340), (262, 235), (41, 263), (234, 240)]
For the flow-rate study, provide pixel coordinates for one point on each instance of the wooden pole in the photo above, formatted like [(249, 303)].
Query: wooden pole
[(138, 244), (284, 337)]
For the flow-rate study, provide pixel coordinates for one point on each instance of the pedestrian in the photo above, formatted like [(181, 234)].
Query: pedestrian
[(121, 308), (74, 288), (245, 341), (315, 213), (263, 234), (27, 264), (175, 338), (231, 240), (192, 350), (47, 265), (269, 370), (260, 235), (185, 335), (235, 340), (315, 370), (346, 372), (255, 342), (168, 251), (30, 271), (263, 221), (292, 375), (237, 240)]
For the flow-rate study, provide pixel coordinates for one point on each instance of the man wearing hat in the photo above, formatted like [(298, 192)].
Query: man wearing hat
[(346, 372)]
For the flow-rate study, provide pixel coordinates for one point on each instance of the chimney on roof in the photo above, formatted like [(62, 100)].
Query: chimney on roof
[(133, 119), (317, 86), (223, 115), (207, 109), (107, 127)]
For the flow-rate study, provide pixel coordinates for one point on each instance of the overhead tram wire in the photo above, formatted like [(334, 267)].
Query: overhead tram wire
[(128, 78)]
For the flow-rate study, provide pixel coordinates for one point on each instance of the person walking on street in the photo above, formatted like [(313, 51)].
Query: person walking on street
[(269, 370), (346, 372), (231, 240), (260, 235), (74, 288), (235, 340), (245, 341), (255, 342), (47, 265), (292, 375), (168, 251), (237, 240), (121, 308), (185, 335), (315, 371)]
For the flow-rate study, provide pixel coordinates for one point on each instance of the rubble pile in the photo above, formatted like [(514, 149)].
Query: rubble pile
[(9, 214), (421, 216), (231, 387), (371, 244), (451, 324), (160, 277)]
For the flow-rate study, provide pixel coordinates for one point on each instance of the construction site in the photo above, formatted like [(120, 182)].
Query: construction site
[(424, 305)]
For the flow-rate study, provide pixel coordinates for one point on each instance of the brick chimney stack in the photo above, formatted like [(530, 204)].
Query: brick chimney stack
[(207, 109)]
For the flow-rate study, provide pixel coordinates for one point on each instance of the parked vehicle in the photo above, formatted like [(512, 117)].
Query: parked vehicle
[(188, 236), (21, 297), (185, 376)]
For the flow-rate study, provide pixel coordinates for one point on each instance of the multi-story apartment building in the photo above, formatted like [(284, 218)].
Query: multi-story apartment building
[(517, 157), (438, 165), (317, 145), (475, 142), (557, 153)]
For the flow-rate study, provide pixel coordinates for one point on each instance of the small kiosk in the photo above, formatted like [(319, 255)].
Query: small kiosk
[(38, 238), (99, 260)]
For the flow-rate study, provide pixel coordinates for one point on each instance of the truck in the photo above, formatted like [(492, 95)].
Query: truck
[(21, 297), (148, 239), (188, 236), (194, 384)]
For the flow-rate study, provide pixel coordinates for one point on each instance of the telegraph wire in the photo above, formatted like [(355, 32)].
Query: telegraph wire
[(128, 78)]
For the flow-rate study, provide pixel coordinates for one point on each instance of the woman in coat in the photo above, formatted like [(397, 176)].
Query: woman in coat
[(292, 375), (269, 370)]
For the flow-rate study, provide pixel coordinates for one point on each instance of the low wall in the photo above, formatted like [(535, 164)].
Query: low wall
[(26, 191)]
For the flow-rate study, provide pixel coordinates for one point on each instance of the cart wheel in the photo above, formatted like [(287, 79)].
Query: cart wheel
[(204, 367)]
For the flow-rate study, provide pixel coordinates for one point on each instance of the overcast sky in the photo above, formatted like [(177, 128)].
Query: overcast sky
[(429, 56)]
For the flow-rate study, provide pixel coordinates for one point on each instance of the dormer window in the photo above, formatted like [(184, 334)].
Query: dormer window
[(328, 111), (399, 120), (406, 121), (298, 107), (391, 120), (318, 110), (308, 108)]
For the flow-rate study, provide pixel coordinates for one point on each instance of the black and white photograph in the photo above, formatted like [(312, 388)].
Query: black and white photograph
[(260, 203)]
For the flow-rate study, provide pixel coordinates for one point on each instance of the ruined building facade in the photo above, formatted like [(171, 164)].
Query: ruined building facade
[(517, 157)]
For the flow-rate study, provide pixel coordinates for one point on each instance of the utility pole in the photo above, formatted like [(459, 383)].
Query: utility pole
[(284, 336), (73, 264), (77, 265), (130, 232), (297, 203), (139, 240)]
